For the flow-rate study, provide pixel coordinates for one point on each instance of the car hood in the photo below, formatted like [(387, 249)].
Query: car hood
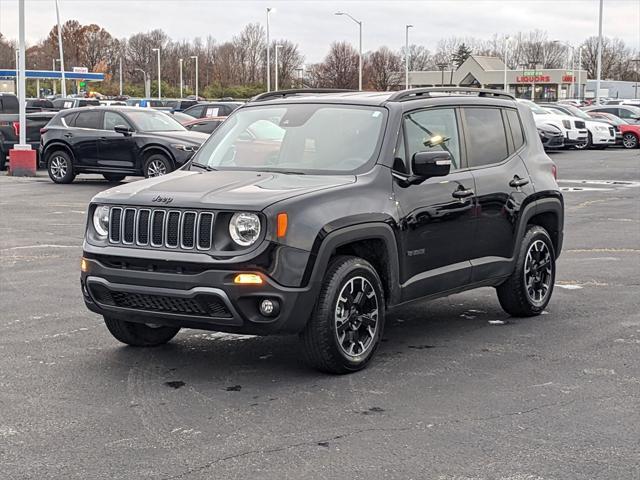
[(192, 138), (249, 190)]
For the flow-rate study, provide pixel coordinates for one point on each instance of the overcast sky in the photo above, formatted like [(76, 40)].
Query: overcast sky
[(312, 25)]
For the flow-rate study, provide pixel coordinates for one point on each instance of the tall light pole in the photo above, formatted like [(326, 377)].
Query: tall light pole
[(580, 71), (277, 47), (22, 109), (63, 88), (180, 62), (269, 10), (507, 40), (159, 78), (120, 76), (599, 58), (406, 55), (360, 48), (195, 57)]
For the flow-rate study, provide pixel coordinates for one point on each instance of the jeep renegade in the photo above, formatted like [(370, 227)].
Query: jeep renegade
[(315, 212)]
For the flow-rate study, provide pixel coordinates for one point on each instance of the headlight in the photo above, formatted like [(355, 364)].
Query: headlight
[(244, 228), (101, 220), (184, 148)]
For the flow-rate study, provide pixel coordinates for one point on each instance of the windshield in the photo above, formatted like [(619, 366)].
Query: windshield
[(152, 121), (299, 138), (536, 109), (576, 112)]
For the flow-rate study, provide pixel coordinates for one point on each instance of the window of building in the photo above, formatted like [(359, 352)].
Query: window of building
[(486, 137)]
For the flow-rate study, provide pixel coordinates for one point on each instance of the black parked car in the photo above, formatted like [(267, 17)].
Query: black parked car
[(212, 109), (312, 212), (115, 142), (179, 105)]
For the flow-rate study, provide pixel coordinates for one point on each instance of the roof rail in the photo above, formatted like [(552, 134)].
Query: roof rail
[(415, 93), (301, 91)]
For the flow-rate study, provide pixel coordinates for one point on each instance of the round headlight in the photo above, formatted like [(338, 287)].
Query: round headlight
[(244, 228), (101, 220)]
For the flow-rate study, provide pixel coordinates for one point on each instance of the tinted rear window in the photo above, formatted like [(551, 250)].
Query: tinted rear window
[(90, 119), (86, 103), (486, 138), (516, 128)]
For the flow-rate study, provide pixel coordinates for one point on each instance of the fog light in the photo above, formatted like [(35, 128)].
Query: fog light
[(248, 278), (269, 308)]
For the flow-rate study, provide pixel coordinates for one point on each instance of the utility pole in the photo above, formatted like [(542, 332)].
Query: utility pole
[(63, 86), (599, 58)]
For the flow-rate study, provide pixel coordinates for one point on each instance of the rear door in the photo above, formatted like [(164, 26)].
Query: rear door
[(84, 136), (494, 139), (115, 150)]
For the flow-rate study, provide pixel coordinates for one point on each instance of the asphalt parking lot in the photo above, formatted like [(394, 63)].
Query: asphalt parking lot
[(452, 394)]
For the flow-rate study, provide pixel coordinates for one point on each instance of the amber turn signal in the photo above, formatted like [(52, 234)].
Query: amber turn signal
[(248, 279), (84, 265), (282, 224)]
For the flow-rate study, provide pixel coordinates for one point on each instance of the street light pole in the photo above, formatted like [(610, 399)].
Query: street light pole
[(159, 78), (120, 76), (599, 59), (360, 46), (181, 77), (195, 57), (22, 109), (276, 67), (506, 51), (406, 55), (268, 52), (579, 72), (63, 86)]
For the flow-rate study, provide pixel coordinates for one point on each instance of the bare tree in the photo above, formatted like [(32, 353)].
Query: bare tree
[(289, 60), (339, 68), (382, 69)]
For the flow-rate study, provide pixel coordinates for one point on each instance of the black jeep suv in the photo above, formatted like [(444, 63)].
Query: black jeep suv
[(314, 212)]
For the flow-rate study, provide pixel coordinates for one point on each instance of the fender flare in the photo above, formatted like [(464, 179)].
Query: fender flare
[(551, 204), (53, 146), (160, 149), (324, 248)]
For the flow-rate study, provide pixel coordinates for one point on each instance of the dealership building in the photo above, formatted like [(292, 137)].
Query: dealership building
[(488, 72)]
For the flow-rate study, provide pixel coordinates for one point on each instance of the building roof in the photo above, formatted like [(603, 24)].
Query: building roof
[(488, 63)]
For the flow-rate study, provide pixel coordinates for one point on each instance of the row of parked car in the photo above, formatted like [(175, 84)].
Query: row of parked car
[(563, 124)]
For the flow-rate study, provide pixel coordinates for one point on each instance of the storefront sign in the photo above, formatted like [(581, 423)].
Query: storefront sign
[(568, 78), (533, 79)]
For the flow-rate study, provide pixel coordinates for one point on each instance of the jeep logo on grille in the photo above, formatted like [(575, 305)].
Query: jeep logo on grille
[(161, 199)]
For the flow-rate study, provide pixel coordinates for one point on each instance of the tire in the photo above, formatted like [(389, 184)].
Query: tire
[(157, 165), (328, 346), (139, 334), (514, 296), (60, 167), (113, 177), (586, 145), (629, 140)]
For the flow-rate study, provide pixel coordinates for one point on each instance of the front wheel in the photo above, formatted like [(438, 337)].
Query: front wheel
[(346, 325), (587, 143), (528, 290), (157, 165), (60, 167), (140, 334), (629, 140)]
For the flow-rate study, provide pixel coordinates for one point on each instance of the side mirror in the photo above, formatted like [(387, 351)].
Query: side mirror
[(431, 164), (123, 129)]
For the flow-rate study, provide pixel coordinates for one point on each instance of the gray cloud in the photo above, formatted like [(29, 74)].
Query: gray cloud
[(313, 26)]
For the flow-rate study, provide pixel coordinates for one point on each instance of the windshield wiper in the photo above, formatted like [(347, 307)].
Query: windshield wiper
[(286, 172), (208, 168)]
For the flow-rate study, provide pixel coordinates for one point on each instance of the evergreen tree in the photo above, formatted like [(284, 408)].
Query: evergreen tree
[(461, 55)]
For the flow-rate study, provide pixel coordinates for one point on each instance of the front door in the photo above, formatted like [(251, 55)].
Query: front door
[(437, 217), (116, 150)]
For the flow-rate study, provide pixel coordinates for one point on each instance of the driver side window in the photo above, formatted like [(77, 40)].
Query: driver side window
[(432, 130)]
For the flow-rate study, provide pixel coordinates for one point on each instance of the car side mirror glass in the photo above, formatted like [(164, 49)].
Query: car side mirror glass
[(431, 164), (123, 129)]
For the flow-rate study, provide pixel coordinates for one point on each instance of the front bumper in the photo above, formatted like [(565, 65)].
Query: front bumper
[(603, 138), (208, 300), (576, 137)]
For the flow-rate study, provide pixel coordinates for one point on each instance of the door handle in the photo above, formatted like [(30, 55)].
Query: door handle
[(68, 135), (462, 193), (518, 182)]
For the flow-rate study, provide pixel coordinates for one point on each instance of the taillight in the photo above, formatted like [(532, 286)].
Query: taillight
[(16, 128), (554, 171)]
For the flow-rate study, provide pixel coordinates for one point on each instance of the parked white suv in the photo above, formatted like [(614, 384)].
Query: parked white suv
[(601, 135), (574, 129)]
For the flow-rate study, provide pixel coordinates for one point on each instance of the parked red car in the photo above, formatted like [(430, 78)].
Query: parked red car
[(629, 133)]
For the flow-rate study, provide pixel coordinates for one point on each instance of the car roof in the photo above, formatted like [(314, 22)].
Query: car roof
[(114, 108)]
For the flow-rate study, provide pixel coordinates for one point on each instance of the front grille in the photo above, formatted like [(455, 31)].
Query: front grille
[(579, 124), (612, 131), (202, 305), (161, 228)]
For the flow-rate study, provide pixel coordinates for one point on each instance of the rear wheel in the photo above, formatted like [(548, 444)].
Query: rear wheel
[(140, 334), (629, 140), (157, 165), (60, 167), (113, 177), (528, 290), (346, 325)]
